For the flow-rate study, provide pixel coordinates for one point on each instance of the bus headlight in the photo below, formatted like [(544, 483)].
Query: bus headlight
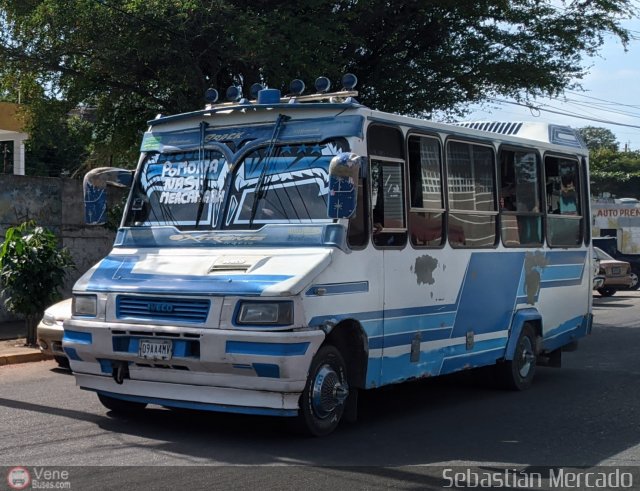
[(85, 305), (265, 313)]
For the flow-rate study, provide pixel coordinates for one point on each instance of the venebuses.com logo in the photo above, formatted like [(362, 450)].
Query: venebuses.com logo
[(18, 478)]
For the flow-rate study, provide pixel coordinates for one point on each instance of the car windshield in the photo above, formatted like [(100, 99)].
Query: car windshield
[(271, 184), (601, 255)]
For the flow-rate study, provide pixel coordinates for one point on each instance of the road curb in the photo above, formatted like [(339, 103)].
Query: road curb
[(23, 358)]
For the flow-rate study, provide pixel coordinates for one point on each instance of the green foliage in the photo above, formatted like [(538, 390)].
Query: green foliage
[(32, 269), (614, 172), (59, 143), (132, 59), (599, 138)]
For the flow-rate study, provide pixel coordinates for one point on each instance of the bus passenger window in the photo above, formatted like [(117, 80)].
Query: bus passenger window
[(387, 201), (520, 210), (426, 216), (564, 217), (472, 201)]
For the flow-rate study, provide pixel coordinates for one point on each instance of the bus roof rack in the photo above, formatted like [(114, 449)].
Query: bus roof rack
[(339, 96)]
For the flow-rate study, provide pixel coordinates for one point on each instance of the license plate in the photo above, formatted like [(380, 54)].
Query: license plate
[(615, 270), (155, 349)]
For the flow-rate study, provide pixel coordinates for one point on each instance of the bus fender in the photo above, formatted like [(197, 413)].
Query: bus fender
[(519, 320)]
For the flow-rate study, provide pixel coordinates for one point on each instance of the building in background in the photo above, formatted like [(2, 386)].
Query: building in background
[(11, 134)]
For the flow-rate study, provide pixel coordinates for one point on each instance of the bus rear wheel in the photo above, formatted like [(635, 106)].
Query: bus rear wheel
[(517, 374), (323, 400)]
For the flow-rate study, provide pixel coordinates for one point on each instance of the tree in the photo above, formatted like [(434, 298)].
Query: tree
[(598, 138), (32, 270), (132, 59), (614, 172)]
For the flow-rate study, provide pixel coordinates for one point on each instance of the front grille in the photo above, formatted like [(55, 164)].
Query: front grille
[(159, 308)]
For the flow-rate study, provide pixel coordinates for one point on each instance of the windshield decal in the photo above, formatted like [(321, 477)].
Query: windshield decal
[(173, 185), (294, 188)]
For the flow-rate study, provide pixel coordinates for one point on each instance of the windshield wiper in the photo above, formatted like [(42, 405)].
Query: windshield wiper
[(260, 191), (205, 170)]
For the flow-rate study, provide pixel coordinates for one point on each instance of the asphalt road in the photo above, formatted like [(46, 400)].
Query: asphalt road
[(582, 415)]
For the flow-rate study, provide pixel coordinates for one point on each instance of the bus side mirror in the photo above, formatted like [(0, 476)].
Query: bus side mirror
[(344, 170), (94, 188)]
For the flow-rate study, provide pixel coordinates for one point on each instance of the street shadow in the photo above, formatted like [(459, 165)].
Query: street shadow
[(617, 301), (579, 415)]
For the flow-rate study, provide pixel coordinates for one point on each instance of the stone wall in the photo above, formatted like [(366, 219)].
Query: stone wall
[(58, 205)]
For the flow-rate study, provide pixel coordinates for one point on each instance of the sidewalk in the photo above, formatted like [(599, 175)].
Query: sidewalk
[(12, 345)]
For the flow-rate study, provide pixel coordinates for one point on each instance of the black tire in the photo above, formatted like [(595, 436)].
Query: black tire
[(62, 361), (120, 406), (323, 400), (606, 292), (517, 374)]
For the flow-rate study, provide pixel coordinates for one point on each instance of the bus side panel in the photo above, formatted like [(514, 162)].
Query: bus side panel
[(431, 330)]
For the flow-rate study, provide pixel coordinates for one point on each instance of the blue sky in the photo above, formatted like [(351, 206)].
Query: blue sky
[(611, 93)]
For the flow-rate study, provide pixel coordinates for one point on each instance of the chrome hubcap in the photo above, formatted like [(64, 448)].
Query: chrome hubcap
[(328, 392), (527, 358)]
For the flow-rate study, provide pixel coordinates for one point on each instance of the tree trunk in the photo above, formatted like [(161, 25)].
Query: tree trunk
[(31, 321)]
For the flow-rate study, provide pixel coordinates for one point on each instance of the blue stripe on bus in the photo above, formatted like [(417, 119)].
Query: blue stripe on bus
[(116, 273), (71, 353), (338, 288), (202, 406), (266, 349), (77, 337), (441, 361), (402, 339), (488, 293), (554, 258), (566, 272)]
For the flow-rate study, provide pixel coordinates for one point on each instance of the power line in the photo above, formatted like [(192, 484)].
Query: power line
[(561, 113)]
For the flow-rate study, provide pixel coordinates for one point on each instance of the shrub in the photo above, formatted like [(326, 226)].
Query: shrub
[(32, 269)]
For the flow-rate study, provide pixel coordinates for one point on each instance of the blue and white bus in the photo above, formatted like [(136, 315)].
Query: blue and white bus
[(278, 255)]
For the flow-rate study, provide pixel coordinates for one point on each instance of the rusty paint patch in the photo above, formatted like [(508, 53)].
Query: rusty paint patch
[(424, 268), (533, 263)]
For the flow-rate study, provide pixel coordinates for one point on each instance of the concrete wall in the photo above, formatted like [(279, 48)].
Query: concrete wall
[(58, 205)]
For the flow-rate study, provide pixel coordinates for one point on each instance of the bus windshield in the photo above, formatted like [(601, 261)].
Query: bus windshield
[(196, 190)]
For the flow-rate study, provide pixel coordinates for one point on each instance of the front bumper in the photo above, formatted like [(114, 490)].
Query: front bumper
[(50, 339), (225, 370)]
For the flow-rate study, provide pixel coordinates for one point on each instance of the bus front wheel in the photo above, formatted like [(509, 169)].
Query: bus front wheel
[(517, 374), (324, 397)]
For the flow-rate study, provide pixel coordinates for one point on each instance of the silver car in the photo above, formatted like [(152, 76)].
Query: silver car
[(50, 331)]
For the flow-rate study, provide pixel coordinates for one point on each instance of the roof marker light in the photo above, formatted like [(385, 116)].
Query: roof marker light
[(296, 87), (349, 81), (211, 96), (234, 93), (323, 84), (255, 88)]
